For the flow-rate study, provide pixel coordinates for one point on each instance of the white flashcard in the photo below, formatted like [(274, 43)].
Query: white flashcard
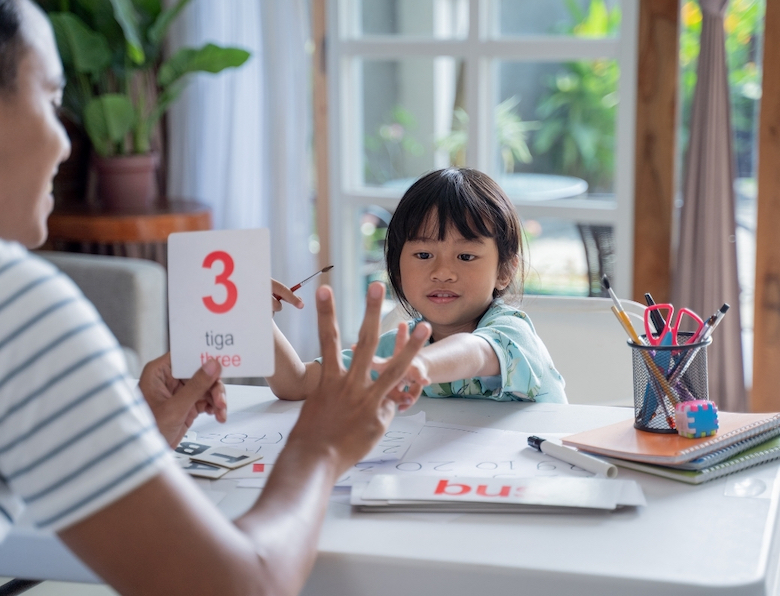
[(196, 468), (219, 302), (190, 448), (226, 457)]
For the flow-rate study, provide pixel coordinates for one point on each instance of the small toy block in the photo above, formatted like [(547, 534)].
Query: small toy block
[(696, 419)]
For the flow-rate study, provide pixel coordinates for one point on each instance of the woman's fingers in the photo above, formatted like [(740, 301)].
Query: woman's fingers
[(369, 330)]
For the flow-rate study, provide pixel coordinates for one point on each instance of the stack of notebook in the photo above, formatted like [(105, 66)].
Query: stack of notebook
[(743, 441)]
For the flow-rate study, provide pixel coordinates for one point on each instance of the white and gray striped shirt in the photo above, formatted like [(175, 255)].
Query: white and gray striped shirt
[(75, 435)]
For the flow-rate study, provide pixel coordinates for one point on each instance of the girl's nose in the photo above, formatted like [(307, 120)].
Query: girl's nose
[(442, 273)]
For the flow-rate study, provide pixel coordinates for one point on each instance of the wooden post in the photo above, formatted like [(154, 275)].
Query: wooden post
[(765, 396), (321, 133), (656, 113)]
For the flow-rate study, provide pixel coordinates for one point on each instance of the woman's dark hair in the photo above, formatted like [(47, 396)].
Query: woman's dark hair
[(11, 44), (468, 201)]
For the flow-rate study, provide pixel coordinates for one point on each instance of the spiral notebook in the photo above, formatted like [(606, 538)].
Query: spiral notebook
[(623, 441), (759, 454)]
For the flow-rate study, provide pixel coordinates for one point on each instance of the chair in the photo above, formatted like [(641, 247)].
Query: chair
[(130, 295), (587, 345), (586, 342)]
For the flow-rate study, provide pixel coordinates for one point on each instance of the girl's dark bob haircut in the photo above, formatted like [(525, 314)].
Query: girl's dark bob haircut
[(468, 201)]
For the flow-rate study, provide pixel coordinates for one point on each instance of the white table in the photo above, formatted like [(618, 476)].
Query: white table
[(688, 540)]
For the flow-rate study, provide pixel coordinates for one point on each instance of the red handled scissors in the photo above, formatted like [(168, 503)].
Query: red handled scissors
[(667, 314)]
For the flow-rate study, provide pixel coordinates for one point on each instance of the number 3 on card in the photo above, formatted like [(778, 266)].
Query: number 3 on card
[(222, 279)]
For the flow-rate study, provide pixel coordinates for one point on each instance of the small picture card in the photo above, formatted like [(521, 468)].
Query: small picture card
[(226, 457), (219, 302), (196, 468)]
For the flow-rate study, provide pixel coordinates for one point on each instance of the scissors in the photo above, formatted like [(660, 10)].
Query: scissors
[(666, 311)]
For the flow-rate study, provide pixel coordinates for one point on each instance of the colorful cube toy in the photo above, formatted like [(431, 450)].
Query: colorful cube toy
[(696, 419)]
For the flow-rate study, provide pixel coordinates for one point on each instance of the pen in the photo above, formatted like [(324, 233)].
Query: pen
[(299, 285), (655, 316), (573, 457), (713, 322)]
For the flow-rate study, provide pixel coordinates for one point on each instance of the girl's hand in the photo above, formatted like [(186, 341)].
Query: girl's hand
[(281, 292), (415, 377)]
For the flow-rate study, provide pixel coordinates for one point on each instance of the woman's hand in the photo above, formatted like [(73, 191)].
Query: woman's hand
[(175, 403)]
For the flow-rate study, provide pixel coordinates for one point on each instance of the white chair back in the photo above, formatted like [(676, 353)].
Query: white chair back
[(587, 345)]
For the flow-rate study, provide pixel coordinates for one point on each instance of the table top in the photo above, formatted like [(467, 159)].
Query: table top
[(81, 222), (687, 540)]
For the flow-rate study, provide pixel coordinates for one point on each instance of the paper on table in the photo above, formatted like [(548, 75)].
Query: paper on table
[(267, 434), (454, 450)]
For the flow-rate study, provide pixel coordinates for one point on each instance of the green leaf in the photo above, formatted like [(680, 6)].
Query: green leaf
[(124, 13), (108, 119), (160, 27), (81, 48), (209, 58)]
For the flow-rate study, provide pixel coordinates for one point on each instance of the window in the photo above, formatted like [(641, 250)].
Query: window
[(540, 95)]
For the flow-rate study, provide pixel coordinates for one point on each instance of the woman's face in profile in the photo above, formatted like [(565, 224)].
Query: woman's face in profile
[(33, 142)]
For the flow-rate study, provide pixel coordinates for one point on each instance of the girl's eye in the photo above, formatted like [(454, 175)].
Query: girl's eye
[(423, 255), (467, 257)]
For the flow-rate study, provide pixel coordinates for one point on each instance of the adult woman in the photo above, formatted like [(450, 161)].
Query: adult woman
[(62, 391)]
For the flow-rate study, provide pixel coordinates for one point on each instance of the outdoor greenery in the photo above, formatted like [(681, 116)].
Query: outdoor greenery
[(511, 134), (579, 107), (118, 85), (385, 148)]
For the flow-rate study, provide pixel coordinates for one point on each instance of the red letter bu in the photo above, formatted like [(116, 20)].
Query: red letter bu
[(441, 488), (221, 279), (482, 490)]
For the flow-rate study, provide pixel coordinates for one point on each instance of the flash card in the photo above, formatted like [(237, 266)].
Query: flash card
[(190, 448), (219, 302), (226, 457), (196, 468)]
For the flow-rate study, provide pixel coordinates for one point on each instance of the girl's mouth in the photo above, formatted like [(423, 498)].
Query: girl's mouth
[(442, 297)]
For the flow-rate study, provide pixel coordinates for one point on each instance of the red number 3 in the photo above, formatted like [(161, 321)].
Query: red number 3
[(221, 279)]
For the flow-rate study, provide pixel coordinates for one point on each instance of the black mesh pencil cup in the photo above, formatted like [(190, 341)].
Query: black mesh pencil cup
[(665, 376)]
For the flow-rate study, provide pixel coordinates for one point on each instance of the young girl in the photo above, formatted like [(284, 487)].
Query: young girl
[(453, 251)]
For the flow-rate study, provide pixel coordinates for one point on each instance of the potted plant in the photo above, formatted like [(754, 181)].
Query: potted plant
[(118, 85)]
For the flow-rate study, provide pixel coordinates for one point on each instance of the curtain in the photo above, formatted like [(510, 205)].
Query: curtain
[(239, 140), (706, 273)]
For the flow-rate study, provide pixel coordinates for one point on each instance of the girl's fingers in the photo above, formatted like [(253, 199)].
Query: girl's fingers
[(282, 292)]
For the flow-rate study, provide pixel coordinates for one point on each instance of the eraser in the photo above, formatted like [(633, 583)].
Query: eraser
[(697, 418)]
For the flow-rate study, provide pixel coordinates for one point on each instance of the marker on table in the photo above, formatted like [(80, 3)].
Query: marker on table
[(573, 457), (299, 285)]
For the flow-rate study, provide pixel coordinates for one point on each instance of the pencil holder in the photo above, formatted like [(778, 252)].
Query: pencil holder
[(665, 376)]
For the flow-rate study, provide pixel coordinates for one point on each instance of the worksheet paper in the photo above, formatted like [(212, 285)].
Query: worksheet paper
[(267, 434), (443, 449)]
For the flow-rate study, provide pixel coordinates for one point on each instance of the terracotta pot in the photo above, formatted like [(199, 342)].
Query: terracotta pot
[(127, 183)]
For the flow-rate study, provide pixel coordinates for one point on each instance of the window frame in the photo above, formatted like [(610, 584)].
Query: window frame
[(479, 51)]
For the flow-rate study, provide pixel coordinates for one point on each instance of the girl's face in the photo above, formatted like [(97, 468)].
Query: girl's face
[(450, 282)]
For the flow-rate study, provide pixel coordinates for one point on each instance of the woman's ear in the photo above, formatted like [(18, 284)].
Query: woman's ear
[(507, 273)]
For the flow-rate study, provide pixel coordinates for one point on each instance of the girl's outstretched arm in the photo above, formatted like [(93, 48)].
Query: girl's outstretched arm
[(459, 356), (293, 379)]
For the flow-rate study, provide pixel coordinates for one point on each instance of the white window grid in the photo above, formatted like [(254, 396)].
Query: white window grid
[(480, 50)]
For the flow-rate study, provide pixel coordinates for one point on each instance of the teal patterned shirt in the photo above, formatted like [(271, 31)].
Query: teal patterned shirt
[(527, 370)]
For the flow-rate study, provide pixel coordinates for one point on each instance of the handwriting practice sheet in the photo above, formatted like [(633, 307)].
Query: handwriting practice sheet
[(455, 450)]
